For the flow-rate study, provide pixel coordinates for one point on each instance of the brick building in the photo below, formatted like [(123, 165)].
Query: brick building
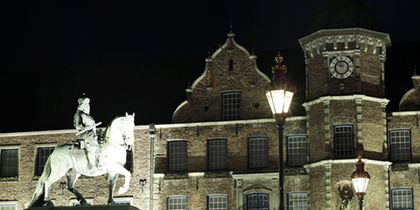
[(221, 151)]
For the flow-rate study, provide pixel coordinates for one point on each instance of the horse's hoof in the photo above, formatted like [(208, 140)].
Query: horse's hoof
[(83, 202), (49, 204)]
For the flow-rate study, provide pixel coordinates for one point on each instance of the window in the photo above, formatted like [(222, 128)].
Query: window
[(8, 205), (400, 144), (129, 160), (296, 150), (257, 201), (9, 163), (217, 202), (230, 65), (343, 141), (217, 154), (297, 201), (402, 199), (231, 105), (178, 202), (177, 156), (257, 152), (41, 158)]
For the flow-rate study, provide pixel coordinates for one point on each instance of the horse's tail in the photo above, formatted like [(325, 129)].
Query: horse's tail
[(38, 195)]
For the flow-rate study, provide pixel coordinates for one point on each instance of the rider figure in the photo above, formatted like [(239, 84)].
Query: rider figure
[(86, 127)]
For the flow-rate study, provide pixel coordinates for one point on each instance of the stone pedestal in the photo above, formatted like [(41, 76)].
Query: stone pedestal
[(96, 207)]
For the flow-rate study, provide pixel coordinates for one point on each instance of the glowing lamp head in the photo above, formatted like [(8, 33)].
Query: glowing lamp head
[(279, 100), (360, 178)]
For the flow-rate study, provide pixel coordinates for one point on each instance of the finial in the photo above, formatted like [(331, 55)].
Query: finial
[(279, 71), (279, 58), (230, 24), (415, 70), (208, 53)]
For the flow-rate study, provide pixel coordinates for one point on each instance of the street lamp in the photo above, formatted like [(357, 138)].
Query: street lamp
[(279, 98), (360, 179)]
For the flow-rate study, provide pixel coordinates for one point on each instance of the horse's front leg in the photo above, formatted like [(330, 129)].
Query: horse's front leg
[(112, 179), (119, 169)]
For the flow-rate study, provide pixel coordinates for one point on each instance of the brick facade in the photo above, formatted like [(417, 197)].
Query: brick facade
[(356, 102)]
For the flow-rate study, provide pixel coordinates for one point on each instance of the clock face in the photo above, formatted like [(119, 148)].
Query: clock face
[(341, 67)]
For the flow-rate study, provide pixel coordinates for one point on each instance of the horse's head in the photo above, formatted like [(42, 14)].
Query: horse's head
[(121, 131), (127, 129)]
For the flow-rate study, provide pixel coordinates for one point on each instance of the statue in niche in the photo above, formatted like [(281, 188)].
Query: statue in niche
[(345, 194)]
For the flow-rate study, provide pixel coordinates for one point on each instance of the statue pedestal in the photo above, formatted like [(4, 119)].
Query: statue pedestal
[(95, 207)]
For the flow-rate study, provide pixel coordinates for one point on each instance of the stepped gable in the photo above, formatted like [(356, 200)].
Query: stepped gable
[(231, 68)]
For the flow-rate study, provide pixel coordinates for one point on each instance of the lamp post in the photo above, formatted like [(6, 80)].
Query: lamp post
[(360, 179), (279, 97)]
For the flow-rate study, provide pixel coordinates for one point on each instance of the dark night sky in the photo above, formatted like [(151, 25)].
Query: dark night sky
[(140, 56)]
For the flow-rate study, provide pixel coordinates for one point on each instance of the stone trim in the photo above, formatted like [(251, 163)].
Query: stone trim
[(405, 113), (142, 127), (347, 97), (328, 188), (255, 175), (359, 121), (234, 122), (331, 161), (296, 118), (327, 129), (386, 180)]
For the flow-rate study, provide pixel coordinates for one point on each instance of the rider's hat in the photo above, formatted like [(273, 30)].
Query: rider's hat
[(83, 100)]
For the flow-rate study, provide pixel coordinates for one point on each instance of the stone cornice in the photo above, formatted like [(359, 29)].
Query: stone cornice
[(323, 99), (405, 113), (256, 175), (296, 118), (315, 42), (331, 161)]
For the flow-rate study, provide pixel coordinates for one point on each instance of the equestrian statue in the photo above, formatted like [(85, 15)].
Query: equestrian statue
[(91, 156)]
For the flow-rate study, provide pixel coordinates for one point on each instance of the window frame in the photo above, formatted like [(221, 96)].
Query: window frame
[(37, 147), (10, 147), (410, 147), (392, 199), (209, 168), (249, 152), (288, 147), (297, 193), (176, 196), (169, 158), (217, 195), (237, 115), (353, 151), (258, 200)]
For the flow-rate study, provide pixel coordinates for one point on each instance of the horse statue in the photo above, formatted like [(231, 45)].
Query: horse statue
[(71, 161)]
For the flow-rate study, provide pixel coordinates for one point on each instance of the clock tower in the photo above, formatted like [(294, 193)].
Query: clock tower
[(345, 101), (345, 61)]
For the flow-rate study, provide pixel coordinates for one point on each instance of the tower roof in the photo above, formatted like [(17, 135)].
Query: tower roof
[(344, 14)]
